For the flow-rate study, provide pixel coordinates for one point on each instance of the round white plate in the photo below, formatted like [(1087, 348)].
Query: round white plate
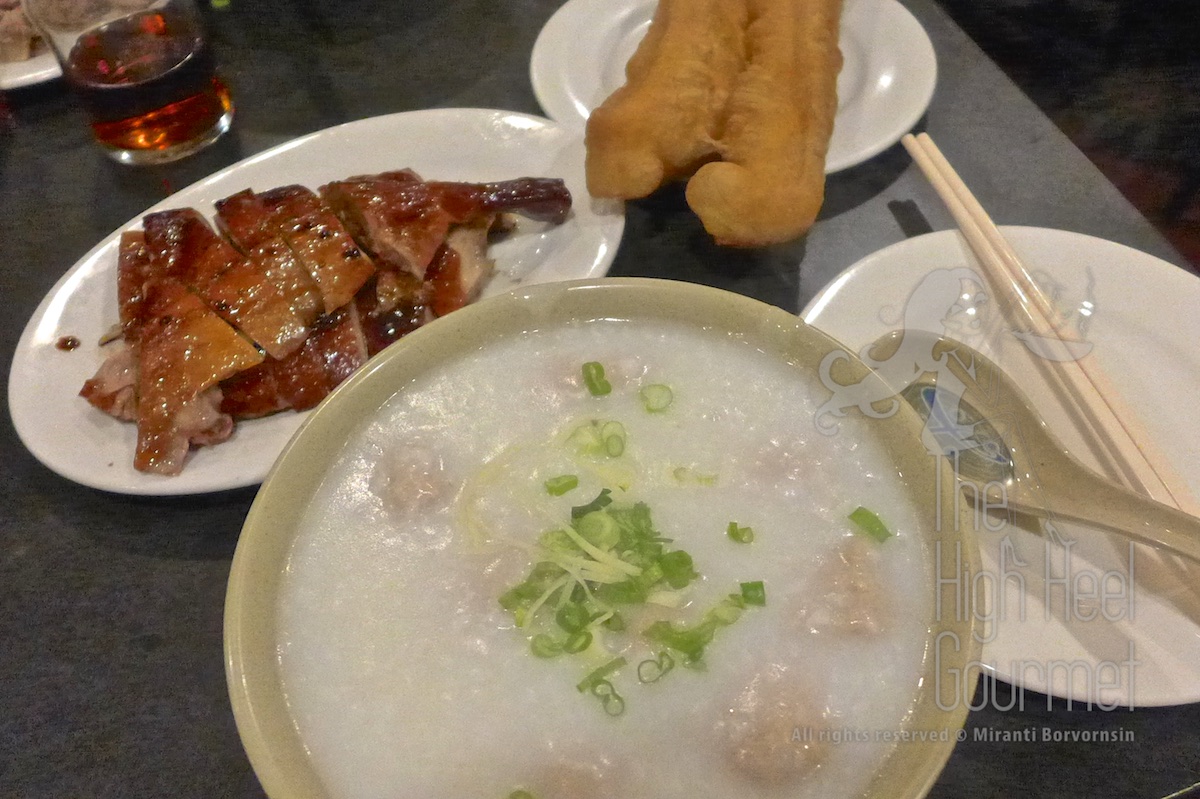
[(40, 68), (884, 87), (82, 444), (1139, 315)]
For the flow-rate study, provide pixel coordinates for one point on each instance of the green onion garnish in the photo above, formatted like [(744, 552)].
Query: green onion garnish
[(610, 700), (598, 675), (544, 646), (754, 593), (599, 438), (557, 486), (613, 436), (600, 529), (572, 617), (602, 500), (577, 642), (743, 535), (656, 398), (654, 669), (593, 378), (521, 795), (870, 525), (689, 642)]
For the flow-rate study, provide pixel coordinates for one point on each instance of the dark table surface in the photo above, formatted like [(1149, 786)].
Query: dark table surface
[(111, 669)]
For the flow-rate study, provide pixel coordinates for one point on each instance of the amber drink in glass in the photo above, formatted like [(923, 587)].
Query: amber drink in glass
[(145, 76)]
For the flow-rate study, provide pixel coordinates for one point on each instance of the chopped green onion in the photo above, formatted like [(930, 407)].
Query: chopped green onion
[(870, 525), (654, 669), (544, 646), (728, 610), (615, 622), (610, 700), (598, 437), (596, 676), (599, 529), (572, 617), (521, 795), (754, 593), (743, 535), (656, 398), (577, 642), (689, 642), (557, 486), (593, 378), (613, 435), (602, 500), (626, 592)]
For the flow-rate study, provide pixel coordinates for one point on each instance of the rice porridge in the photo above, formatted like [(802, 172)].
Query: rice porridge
[(707, 622)]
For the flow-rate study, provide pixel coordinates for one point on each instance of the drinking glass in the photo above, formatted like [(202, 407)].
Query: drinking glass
[(143, 71)]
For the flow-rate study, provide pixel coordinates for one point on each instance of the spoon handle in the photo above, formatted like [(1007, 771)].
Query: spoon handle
[(1079, 495)]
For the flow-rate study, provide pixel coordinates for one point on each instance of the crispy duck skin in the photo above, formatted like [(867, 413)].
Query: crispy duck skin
[(133, 274), (244, 219), (185, 350), (284, 300), (396, 216), (331, 354), (320, 242), (183, 246), (404, 221)]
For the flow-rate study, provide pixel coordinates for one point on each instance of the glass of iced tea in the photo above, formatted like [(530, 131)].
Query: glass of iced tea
[(144, 72)]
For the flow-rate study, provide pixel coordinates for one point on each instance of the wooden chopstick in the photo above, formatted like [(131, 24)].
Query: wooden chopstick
[(1125, 448)]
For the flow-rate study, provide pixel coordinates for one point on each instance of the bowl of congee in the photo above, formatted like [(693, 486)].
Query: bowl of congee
[(614, 538)]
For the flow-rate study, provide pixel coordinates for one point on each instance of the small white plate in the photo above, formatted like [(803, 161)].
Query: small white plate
[(884, 87), (82, 444), (1139, 315), (40, 68)]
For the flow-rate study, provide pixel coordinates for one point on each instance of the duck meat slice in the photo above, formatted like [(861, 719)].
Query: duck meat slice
[(396, 216), (244, 219), (113, 389), (320, 242), (540, 199), (183, 246), (334, 350), (460, 267), (185, 350)]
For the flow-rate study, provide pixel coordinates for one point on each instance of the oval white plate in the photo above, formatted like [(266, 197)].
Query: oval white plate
[(1143, 328), (83, 444), (884, 87), (40, 68)]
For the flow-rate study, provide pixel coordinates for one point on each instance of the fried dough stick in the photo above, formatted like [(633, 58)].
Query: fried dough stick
[(770, 183), (662, 123)]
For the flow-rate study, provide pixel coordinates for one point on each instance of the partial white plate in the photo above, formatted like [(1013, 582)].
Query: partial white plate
[(884, 87), (84, 445), (1139, 314), (40, 68)]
